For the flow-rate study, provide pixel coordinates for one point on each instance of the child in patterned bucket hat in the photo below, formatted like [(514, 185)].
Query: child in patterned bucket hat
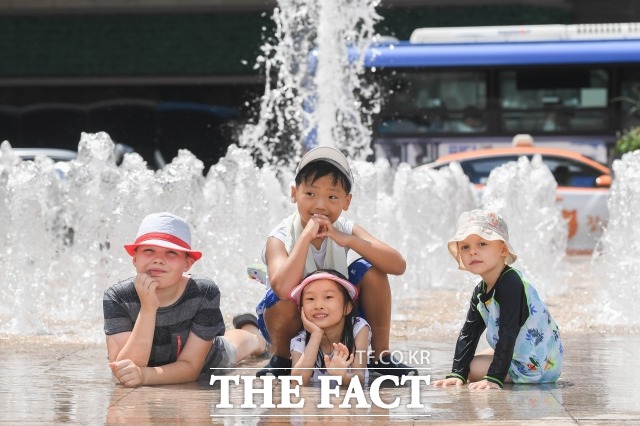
[(524, 338), (489, 225)]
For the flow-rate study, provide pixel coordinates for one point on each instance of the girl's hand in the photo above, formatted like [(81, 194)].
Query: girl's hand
[(483, 384), (127, 372), (340, 360), (146, 286), (308, 325), (451, 381)]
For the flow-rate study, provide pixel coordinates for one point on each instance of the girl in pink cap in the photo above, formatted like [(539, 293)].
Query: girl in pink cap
[(164, 326), (334, 341)]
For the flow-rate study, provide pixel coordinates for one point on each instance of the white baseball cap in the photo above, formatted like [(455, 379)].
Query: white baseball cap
[(330, 155), (164, 230)]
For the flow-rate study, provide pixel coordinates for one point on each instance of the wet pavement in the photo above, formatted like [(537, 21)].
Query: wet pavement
[(49, 382)]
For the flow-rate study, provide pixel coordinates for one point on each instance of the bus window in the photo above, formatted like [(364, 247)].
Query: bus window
[(433, 102), (549, 100), (630, 90), (556, 82)]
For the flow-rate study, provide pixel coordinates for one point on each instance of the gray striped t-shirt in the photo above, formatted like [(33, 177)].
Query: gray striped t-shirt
[(197, 310)]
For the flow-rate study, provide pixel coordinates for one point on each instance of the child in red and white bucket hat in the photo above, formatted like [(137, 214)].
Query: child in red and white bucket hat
[(163, 325), (164, 230)]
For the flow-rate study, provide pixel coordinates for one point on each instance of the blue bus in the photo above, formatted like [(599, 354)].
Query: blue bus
[(449, 90)]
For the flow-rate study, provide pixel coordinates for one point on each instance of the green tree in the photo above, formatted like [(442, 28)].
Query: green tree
[(628, 141)]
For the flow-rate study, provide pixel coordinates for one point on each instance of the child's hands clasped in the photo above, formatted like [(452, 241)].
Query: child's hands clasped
[(340, 360), (320, 227)]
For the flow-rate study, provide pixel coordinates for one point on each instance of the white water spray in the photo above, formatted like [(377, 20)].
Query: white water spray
[(313, 91), (61, 240)]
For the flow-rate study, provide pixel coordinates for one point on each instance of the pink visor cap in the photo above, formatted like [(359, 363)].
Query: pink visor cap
[(296, 293), (164, 230)]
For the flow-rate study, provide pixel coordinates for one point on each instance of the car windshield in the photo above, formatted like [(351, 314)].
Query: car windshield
[(567, 172)]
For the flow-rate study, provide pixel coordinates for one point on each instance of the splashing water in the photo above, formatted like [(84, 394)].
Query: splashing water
[(343, 25), (615, 263), (315, 99), (524, 193), (61, 239)]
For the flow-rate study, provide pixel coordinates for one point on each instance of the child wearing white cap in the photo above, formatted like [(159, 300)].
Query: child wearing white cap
[(524, 338), (164, 326), (314, 237)]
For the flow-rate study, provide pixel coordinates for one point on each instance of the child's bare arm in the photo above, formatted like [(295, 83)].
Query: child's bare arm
[(186, 368), (304, 362), (287, 269), (136, 345), (383, 257)]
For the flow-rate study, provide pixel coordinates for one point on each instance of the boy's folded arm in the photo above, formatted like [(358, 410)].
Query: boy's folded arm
[(285, 270), (138, 347), (115, 343), (382, 256), (134, 345), (186, 368)]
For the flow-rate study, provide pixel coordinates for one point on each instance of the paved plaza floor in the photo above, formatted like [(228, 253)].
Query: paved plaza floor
[(48, 382)]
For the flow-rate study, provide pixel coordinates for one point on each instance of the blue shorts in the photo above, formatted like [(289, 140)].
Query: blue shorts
[(357, 269)]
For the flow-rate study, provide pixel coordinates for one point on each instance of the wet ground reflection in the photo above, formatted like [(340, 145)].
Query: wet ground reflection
[(49, 382)]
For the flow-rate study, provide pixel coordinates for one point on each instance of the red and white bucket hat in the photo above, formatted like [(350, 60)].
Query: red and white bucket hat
[(164, 230)]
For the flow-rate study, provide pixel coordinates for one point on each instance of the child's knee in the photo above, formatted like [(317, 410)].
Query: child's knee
[(282, 311), (283, 317), (374, 278)]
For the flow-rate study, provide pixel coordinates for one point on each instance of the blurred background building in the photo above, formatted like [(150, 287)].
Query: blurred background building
[(160, 75)]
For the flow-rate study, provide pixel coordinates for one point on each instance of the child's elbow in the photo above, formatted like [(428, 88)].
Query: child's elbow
[(281, 287), (399, 267), (193, 372), (280, 290), (194, 376)]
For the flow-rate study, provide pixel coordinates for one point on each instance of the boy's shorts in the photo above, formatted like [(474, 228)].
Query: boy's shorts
[(357, 269), (220, 358)]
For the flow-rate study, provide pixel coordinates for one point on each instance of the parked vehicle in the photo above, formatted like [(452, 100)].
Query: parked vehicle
[(583, 185), (454, 89)]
